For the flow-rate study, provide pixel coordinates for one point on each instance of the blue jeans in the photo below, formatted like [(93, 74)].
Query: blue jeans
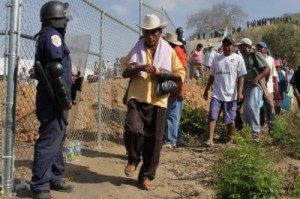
[(180, 135), (174, 111), (251, 107)]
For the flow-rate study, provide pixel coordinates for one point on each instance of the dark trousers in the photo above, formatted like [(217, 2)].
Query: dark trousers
[(48, 165), (144, 130), (267, 112)]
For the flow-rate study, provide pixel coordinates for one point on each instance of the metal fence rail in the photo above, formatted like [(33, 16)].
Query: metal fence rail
[(162, 14), (99, 114)]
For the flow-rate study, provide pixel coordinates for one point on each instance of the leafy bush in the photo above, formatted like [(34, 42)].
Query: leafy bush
[(282, 37), (286, 133), (279, 130), (244, 172), (194, 123), (296, 191)]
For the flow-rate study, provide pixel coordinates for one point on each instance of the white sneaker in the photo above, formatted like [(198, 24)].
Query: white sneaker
[(168, 146)]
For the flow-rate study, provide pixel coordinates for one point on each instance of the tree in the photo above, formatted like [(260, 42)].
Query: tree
[(284, 39), (219, 17)]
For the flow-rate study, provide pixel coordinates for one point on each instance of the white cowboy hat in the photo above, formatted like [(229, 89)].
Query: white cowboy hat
[(210, 46), (172, 38), (151, 22)]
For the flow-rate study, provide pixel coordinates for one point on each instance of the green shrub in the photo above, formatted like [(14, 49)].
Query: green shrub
[(194, 123), (279, 130), (296, 191), (286, 133), (244, 172)]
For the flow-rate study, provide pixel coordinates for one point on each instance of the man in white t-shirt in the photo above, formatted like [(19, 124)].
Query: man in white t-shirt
[(267, 111), (209, 56), (227, 78)]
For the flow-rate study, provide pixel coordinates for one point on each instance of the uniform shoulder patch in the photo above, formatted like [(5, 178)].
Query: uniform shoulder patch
[(56, 40)]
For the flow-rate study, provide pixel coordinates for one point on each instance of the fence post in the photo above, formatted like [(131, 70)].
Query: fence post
[(10, 103), (99, 137), (141, 16), (162, 13)]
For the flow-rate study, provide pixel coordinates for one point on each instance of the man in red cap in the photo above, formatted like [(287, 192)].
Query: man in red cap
[(282, 86)]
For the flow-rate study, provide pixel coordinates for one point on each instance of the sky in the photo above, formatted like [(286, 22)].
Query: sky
[(178, 10)]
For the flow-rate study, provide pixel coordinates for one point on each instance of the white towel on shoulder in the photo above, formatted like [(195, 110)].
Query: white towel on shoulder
[(162, 57)]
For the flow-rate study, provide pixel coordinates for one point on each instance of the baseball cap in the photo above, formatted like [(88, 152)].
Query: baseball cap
[(245, 41), (262, 44), (277, 63), (229, 39)]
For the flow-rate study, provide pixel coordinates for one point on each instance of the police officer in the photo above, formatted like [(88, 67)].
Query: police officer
[(53, 55), (180, 37), (179, 32)]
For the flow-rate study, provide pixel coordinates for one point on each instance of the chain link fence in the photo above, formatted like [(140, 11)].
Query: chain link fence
[(99, 113), (161, 13)]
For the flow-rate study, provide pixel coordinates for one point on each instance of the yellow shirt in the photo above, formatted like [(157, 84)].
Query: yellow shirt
[(143, 88)]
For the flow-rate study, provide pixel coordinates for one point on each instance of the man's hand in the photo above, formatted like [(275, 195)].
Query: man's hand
[(73, 79), (240, 97), (149, 68), (255, 82), (68, 107), (205, 95)]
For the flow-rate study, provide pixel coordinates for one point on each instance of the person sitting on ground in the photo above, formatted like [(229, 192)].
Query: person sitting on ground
[(227, 77)]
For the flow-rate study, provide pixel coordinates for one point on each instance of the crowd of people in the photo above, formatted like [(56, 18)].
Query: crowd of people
[(269, 21), (25, 77), (157, 67), (218, 33), (267, 85), (249, 24), (238, 74)]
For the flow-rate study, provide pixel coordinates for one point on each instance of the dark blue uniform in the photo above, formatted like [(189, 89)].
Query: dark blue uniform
[(48, 164)]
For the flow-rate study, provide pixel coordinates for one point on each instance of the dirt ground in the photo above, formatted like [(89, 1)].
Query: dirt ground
[(183, 173)]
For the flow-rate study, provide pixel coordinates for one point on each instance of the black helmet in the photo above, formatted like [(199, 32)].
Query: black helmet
[(179, 30), (53, 10)]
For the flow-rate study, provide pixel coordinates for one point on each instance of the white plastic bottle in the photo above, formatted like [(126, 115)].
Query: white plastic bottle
[(69, 152), (77, 149)]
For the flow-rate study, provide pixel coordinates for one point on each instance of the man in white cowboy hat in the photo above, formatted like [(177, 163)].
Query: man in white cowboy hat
[(151, 59), (173, 135), (209, 56)]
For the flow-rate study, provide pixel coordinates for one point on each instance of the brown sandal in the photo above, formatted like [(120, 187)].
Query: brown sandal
[(146, 184), (129, 170)]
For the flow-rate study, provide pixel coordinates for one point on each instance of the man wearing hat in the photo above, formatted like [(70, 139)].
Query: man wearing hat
[(257, 70), (151, 59), (282, 87), (267, 111), (209, 56), (227, 77), (176, 99)]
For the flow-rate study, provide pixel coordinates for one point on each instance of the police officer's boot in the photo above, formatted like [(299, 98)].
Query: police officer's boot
[(41, 195)]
